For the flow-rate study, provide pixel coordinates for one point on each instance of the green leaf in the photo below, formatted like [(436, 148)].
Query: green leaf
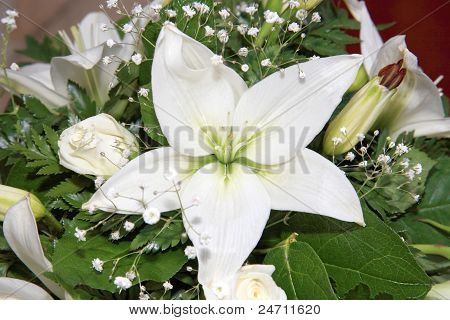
[(43, 51), (84, 106), (72, 261), (65, 187), (151, 123), (374, 255), (300, 272), (164, 234), (435, 204)]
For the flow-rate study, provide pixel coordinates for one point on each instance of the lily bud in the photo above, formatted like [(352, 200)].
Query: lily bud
[(309, 4), (9, 196), (358, 116), (361, 79)]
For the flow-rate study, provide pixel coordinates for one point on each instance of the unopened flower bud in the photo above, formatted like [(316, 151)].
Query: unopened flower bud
[(9, 196), (358, 116)]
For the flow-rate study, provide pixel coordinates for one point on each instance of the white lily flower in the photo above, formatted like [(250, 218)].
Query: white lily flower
[(220, 132), (21, 233), (48, 82), (417, 105)]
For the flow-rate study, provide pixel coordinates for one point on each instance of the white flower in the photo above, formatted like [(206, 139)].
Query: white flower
[(244, 67), (223, 36), (12, 13), (363, 150), (336, 140), (383, 159), (189, 11), (80, 234), (416, 197), (251, 10), (167, 286), (151, 216), (314, 57), (14, 66), (253, 32), (294, 27), (224, 14), (111, 4), (242, 29), (376, 133), (201, 7), (360, 136), (343, 130), (21, 233), (128, 226), (209, 31), (301, 14), (294, 4), (143, 92), (189, 269), (301, 74), (130, 275), (216, 60), (90, 146), (104, 27), (137, 10), (190, 252), (316, 17), (362, 164), (115, 235), (271, 16), (405, 163), (214, 101), (391, 145), (243, 52), (266, 63), (122, 283), (127, 27), (136, 58), (404, 104), (110, 43), (205, 239), (418, 168), (251, 282), (97, 264), (350, 156), (107, 60), (171, 13), (401, 149), (410, 174)]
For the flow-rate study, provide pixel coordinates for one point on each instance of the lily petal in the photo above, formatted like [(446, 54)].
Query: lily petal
[(143, 183), (91, 34), (310, 183), (440, 291), (33, 80), (15, 289), (391, 52), (75, 68), (22, 235), (191, 94), (371, 40), (233, 210), (423, 111), (288, 112)]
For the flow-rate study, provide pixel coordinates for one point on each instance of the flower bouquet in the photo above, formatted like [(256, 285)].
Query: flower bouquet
[(222, 150)]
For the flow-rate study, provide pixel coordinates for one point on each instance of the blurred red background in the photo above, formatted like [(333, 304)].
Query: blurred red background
[(428, 39)]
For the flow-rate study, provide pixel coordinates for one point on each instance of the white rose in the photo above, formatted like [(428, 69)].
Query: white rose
[(251, 282), (96, 146)]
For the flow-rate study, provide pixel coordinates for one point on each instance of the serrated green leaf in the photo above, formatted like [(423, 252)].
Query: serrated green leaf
[(374, 255), (72, 261), (84, 105), (65, 187), (151, 123), (165, 235), (76, 200), (300, 272), (52, 138), (43, 51)]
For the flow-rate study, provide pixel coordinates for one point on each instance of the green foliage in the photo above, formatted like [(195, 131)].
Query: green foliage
[(374, 256), (164, 234), (150, 121), (84, 106), (43, 51), (72, 261), (300, 272)]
